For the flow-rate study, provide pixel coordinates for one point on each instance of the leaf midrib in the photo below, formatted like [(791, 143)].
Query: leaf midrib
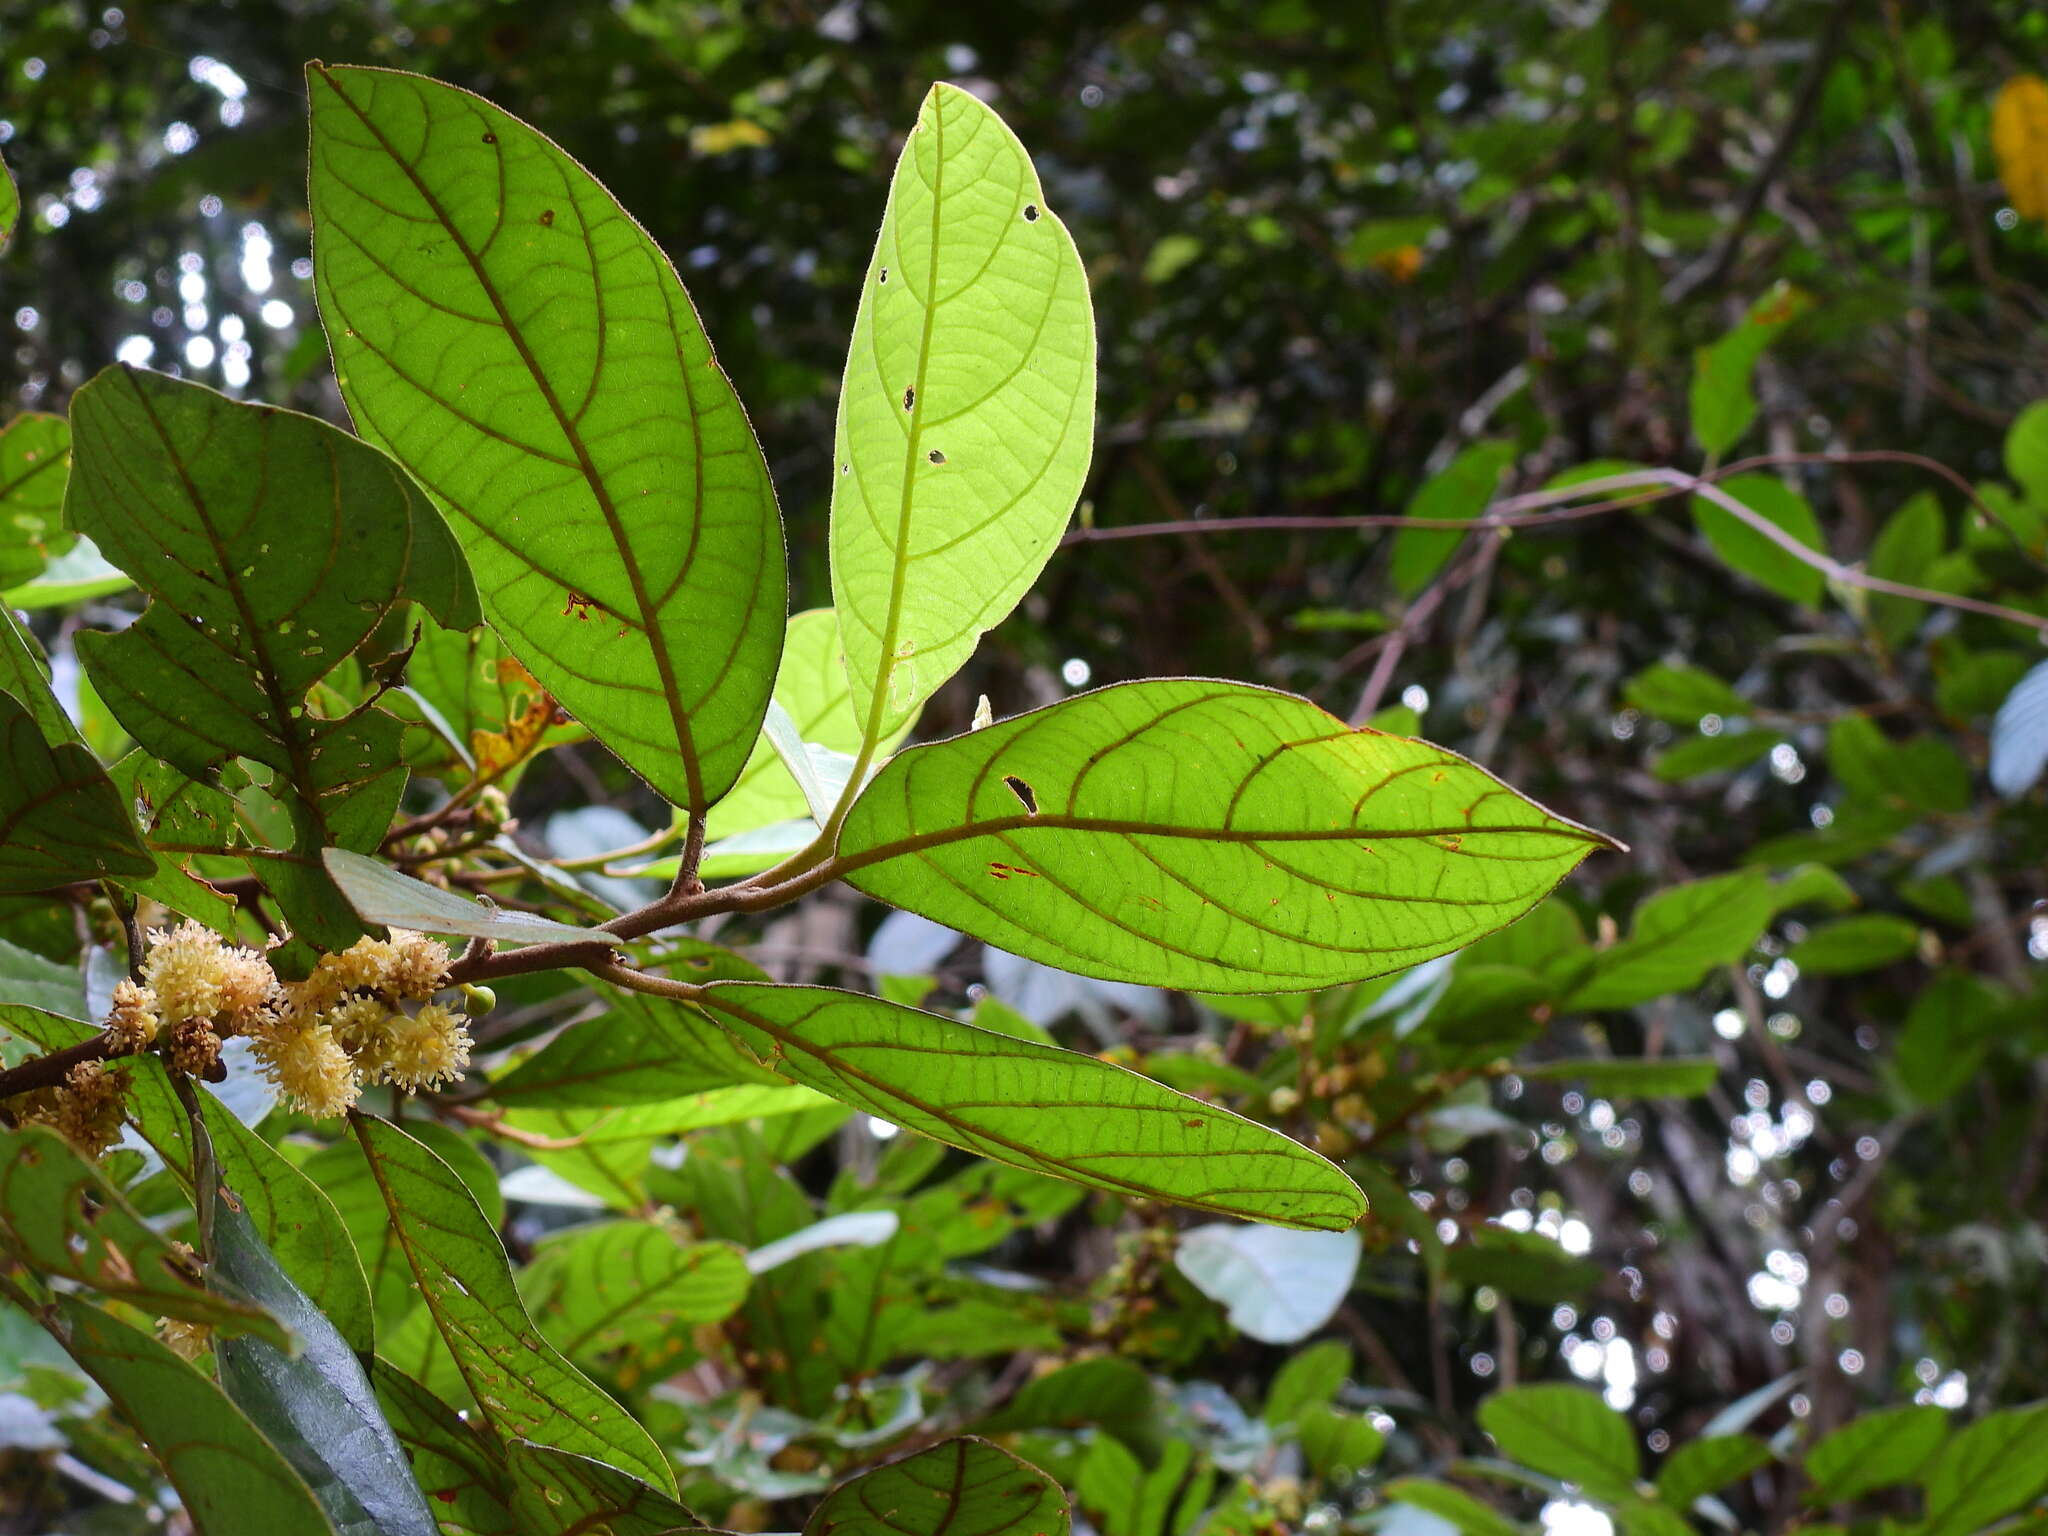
[(650, 616)]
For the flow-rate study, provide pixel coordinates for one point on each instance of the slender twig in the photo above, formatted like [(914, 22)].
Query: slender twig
[(205, 1173)]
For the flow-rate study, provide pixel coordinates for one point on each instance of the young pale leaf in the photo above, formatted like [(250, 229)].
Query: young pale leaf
[(519, 343), (2019, 735), (1567, 1432), (230, 1478), (1186, 833), (380, 894), (967, 415), (60, 817), (271, 546), (61, 1216), (524, 1386), (557, 1493), (1279, 1286), (35, 460), (1034, 1106), (314, 1403), (959, 1486)]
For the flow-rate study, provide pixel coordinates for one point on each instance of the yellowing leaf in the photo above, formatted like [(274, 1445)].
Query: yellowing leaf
[(2019, 138)]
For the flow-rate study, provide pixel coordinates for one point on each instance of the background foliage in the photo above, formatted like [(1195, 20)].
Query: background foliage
[(1744, 1134)]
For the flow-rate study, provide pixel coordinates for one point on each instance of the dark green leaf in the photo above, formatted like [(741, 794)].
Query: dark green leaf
[(648, 596), (1852, 944), (1677, 937), (1683, 694), (1205, 835), (35, 459), (1609, 1077), (1911, 541), (1874, 1450), (1700, 1467), (629, 1285), (470, 1491), (1034, 1106), (1986, 1471), (313, 1403), (558, 1493), (1310, 1379), (1108, 1392), (271, 545), (60, 817), (963, 1485), (1951, 1024), (231, 1480), (1462, 490), (1697, 756), (1755, 554), (1338, 1445)]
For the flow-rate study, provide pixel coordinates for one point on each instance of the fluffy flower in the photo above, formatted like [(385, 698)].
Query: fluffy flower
[(247, 986), (193, 1047), (309, 1067), (427, 1049), (188, 1341), (420, 964), (365, 1027), (86, 1109), (184, 970), (365, 966), (132, 1024)]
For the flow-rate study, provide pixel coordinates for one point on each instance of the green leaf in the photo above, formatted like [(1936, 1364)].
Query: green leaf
[(1921, 774), (1462, 490), (381, 894), (35, 460), (1722, 403), (1607, 1077), (967, 415), (60, 817), (1677, 937), (1700, 1467), (1756, 556), (961, 1485), (629, 1285), (25, 673), (646, 1050), (1204, 835), (1034, 1106), (1339, 1445), (1698, 756), (62, 1217), (1683, 694), (2026, 452), (294, 1219), (525, 1388), (271, 545), (10, 206), (229, 1477), (508, 332), (1949, 1027), (1107, 1391), (470, 1491), (1987, 1471), (558, 1493), (1874, 1450), (313, 1403), (1310, 1378), (1568, 1433), (1459, 1510), (1851, 944), (1910, 542)]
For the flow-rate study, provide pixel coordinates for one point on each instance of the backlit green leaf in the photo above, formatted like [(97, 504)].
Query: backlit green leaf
[(525, 1388), (35, 460), (629, 1284), (519, 343), (1034, 1106), (271, 545), (230, 1478), (967, 415), (961, 1485), (1207, 835), (646, 1050)]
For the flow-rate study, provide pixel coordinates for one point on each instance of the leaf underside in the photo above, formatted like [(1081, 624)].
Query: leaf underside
[(964, 1485), (540, 369)]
